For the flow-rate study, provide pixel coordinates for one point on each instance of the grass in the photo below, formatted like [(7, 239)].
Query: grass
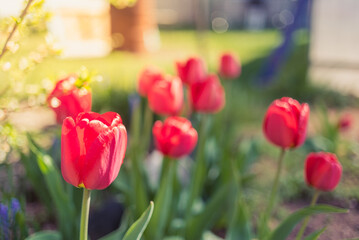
[(121, 68)]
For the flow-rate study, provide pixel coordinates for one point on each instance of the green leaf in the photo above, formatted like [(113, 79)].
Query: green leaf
[(163, 200), (136, 230), (45, 235), (315, 235), (239, 227), (286, 227), (197, 225), (210, 236), (173, 238), (65, 208)]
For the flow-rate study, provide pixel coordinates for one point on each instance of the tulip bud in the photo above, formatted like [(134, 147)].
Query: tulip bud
[(147, 79), (69, 98), (207, 96), (166, 96), (285, 123), (191, 71), (175, 137), (322, 171), (92, 149), (229, 67)]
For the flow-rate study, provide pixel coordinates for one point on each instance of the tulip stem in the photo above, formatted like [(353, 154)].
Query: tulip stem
[(86, 198), (199, 169), (306, 220), (273, 195)]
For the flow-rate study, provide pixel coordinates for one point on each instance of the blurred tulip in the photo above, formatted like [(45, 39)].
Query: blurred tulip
[(166, 96), (92, 149), (147, 79), (207, 96), (322, 171), (191, 71), (285, 123), (345, 122), (69, 98), (229, 67), (175, 137)]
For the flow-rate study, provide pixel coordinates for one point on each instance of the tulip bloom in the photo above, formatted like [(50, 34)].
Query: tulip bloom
[(285, 123), (207, 96), (175, 137), (92, 149), (191, 71), (166, 96), (322, 171), (229, 67), (68, 99), (147, 79)]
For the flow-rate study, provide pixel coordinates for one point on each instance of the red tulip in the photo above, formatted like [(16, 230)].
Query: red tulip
[(285, 123), (229, 67), (322, 171), (345, 122), (191, 71), (166, 96), (175, 137), (69, 99), (92, 149), (207, 96), (147, 79)]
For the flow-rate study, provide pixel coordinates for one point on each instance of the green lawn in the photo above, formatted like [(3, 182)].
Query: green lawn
[(122, 68)]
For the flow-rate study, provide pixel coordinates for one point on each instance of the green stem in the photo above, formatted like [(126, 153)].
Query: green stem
[(163, 199), (199, 170), (306, 220), (273, 195), (86, 198), (147, 127)]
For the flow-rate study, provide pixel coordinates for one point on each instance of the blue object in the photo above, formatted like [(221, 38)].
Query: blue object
[(278, 56)]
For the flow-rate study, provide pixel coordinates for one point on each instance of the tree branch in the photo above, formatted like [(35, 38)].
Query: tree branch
[(21, 18)]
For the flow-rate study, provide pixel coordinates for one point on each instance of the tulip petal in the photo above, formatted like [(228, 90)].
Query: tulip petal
[(104, 158), (280, 126), (302, 124), (70, 152)]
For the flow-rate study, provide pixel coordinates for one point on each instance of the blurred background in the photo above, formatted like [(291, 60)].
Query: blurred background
[(304, 49)]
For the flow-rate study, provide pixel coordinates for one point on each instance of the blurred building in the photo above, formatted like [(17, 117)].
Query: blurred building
[(248, 14), (93, 28), (334, 51)]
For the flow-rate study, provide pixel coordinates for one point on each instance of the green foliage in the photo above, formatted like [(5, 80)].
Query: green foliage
[(64, 206), (163, 199), (136, 230), (315, 235), (45, 235), (285, 228)]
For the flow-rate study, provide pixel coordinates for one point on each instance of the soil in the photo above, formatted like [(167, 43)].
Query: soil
[(339, 226)]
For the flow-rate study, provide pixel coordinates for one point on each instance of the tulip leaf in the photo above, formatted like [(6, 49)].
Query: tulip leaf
[(163, 200), (210, 236), (205, 220), (286, 227), (173, 238), (52, 177), (315, 235), (45, 235), (136, 230), (239, 227)]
